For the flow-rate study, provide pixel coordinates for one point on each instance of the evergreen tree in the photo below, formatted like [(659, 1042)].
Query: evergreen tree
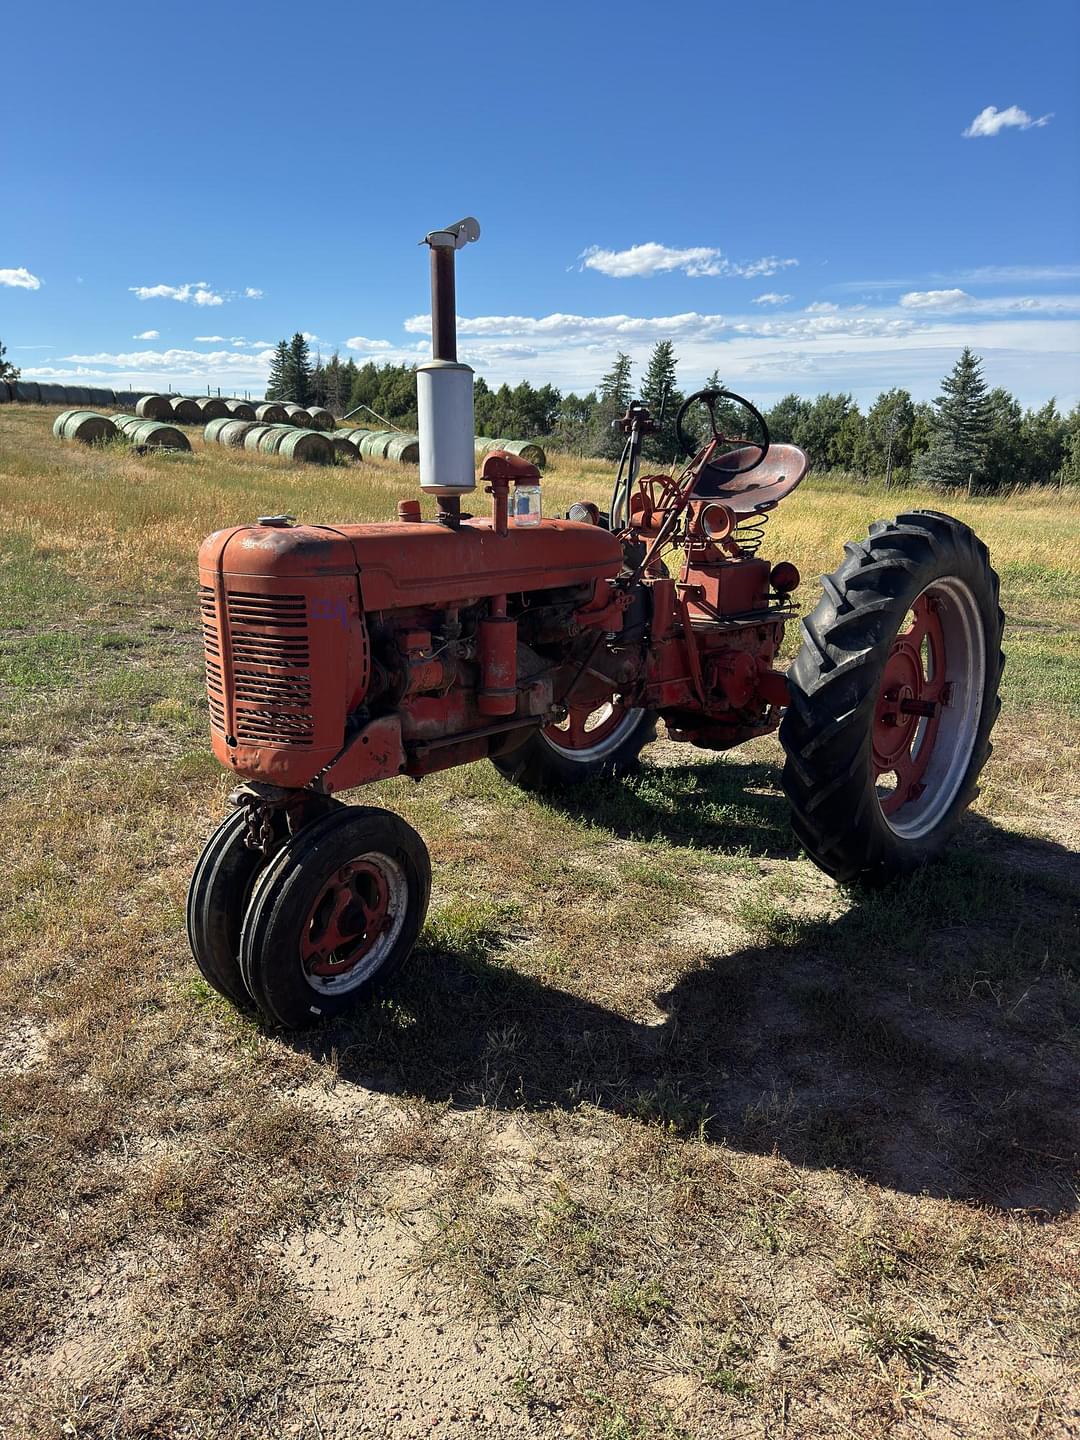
[(605, 440), (1004, 453), (785, 418), (8, 371), (958, 449), (1069, 474), (615, 386), (279, 365), (660, 393), (1042, 442), (890, 422), (298, 371)]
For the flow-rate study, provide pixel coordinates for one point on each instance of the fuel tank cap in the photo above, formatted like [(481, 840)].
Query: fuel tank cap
[(277, 522)]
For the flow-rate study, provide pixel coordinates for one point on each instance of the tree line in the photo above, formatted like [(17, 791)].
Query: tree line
[(971, 436)]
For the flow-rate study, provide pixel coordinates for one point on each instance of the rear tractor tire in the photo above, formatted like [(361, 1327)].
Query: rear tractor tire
[(589, 741), (335, 914), (893, 696)]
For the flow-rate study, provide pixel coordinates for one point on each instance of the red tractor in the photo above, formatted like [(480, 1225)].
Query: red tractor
[(338, 656)]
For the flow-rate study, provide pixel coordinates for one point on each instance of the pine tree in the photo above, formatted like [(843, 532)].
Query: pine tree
[(660, 393), (279, 366), (604, 439), (298, 371), (615, 386), (8, 371), (962, 422)]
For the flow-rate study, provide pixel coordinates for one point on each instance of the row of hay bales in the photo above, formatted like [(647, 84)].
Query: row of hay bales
[(28, 392), (312, 447), (397, 445), (199, 409), (90, 428)]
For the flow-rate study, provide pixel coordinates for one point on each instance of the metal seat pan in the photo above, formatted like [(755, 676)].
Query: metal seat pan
[(755, 490)]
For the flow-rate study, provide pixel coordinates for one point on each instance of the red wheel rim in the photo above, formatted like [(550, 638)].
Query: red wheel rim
[(347, 920), (910, 700), (588, 726)]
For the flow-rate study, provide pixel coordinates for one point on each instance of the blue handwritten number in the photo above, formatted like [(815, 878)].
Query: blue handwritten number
[(329, 610)]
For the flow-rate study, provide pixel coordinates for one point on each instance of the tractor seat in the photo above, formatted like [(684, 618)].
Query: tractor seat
[(758, 489)]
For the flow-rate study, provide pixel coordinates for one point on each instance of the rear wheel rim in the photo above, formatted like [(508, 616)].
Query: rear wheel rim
[(354, 923), (928, 708), (591, 732)]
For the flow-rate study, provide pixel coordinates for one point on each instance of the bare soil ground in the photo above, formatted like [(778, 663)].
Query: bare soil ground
[(661, 1134)]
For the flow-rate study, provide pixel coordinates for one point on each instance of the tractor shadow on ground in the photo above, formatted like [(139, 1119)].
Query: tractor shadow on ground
[(926, 1040), (723, 805)]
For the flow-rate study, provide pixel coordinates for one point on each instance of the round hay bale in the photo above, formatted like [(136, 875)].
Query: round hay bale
[(483, 443), (373, 446), (27, 392), (254, 436), (241, 410), (212, 432), (85, 426), (360, 433), (211, 408), (102, 397), (405, 449), (52, 394), (185, 410), (128, 398), (270, 440), (5, 392), (154, 435), (345, 447), (271, 414), (154, 407), (310, 447), (231, 432), (297, 415), (124, 422), (527, 449), (321, 419)]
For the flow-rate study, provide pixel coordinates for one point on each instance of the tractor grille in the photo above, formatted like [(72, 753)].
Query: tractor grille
[(271, 667)]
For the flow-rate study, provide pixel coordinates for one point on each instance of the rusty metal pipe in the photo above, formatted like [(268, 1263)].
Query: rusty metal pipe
[(443, 303)]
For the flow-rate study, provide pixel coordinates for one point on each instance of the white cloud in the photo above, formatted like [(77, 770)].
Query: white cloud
[(934, 299), (653, 259), (366, 346), (992, 121), (821, 307), (200, 339), (771, 298), (20, 279), (250, 293), (147, 335), (198, 292)]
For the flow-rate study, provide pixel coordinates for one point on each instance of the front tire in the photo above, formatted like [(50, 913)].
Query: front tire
[(335, 914), (893, 697)]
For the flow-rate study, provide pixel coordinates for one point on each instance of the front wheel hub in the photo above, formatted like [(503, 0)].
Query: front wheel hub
[(354, 919)]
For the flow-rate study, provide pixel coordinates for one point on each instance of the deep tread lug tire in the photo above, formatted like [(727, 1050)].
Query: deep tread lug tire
[(540, 765), (836, 681), (285, 906)]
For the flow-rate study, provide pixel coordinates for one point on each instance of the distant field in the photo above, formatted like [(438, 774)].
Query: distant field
[(662, 1136)]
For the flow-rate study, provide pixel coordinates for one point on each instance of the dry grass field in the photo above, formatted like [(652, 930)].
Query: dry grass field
[(661, 1136)]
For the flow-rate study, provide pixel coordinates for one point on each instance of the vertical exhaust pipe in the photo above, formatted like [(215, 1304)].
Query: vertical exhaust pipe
[(444, 387)]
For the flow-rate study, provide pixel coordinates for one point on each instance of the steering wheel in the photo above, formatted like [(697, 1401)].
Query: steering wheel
[(708, 398)]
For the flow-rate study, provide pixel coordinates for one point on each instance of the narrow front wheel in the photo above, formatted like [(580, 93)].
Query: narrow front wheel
[(335, 914)]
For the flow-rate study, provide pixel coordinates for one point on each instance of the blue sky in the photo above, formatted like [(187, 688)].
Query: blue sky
[(786, 191)]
